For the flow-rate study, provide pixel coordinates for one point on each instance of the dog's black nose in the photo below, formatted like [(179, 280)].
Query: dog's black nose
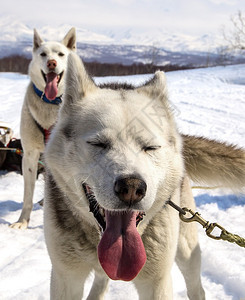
[(130, 189)]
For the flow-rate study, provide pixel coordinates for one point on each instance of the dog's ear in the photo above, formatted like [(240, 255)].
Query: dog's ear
[(156, 86), (37, 41), (70, 39), (77, 83)]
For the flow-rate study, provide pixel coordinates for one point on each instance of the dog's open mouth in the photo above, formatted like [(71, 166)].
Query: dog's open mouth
[(52, 81), (121, 251), (99, 212)]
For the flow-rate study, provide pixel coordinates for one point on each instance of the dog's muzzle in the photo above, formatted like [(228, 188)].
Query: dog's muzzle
[(99, 212), (121, 251)]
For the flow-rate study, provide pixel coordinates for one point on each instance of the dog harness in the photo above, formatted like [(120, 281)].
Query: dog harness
[(56, 101), (42, 95), (46, 132)]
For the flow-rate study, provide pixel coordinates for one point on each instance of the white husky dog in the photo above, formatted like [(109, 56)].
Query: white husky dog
[(113, 161), (40, 108)]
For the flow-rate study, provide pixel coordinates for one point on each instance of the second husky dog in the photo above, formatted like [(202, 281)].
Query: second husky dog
[(114, 160), (39, 112)]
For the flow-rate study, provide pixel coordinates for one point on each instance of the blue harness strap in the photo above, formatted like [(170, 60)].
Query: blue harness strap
[(42, 95)]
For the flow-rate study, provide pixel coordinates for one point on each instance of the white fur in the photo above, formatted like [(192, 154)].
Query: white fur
[(128, 121), (35, 111)]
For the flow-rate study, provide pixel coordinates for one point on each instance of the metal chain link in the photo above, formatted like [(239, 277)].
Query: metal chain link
[(232, 238), (196, 217)]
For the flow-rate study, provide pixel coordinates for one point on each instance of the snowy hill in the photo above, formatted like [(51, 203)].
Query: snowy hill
[(126, 46), (208, 102)]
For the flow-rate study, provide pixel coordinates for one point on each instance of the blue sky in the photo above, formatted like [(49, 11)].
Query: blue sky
[(186, 16)]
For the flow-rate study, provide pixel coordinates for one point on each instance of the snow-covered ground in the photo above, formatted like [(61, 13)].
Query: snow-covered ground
[(209, 102)]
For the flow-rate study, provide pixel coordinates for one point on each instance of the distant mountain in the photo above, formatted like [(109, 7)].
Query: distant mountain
[(126, 46)]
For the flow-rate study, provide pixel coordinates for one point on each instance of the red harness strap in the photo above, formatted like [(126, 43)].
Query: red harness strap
[(47, 133)]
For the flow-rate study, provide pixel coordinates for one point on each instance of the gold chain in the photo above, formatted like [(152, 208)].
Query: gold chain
[(196, 217)]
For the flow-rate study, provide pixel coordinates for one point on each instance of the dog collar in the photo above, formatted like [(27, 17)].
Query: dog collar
[(42, 95)]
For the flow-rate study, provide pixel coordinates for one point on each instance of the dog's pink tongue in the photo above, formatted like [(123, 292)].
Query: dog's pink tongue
[(51, 88), (121, 251)]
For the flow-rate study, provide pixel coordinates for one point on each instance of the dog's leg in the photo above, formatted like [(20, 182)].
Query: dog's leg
[(29, 168), (68, 284), (188, 256), (158, 289), (99, 287)]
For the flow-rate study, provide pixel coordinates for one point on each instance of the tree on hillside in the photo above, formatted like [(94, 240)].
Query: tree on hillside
[(235, 37)]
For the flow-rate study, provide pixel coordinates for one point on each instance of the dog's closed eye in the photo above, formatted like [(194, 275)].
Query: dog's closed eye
[(151, 148), (99, 144)]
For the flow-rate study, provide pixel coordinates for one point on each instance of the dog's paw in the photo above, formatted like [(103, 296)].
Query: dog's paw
[(19, 225)]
